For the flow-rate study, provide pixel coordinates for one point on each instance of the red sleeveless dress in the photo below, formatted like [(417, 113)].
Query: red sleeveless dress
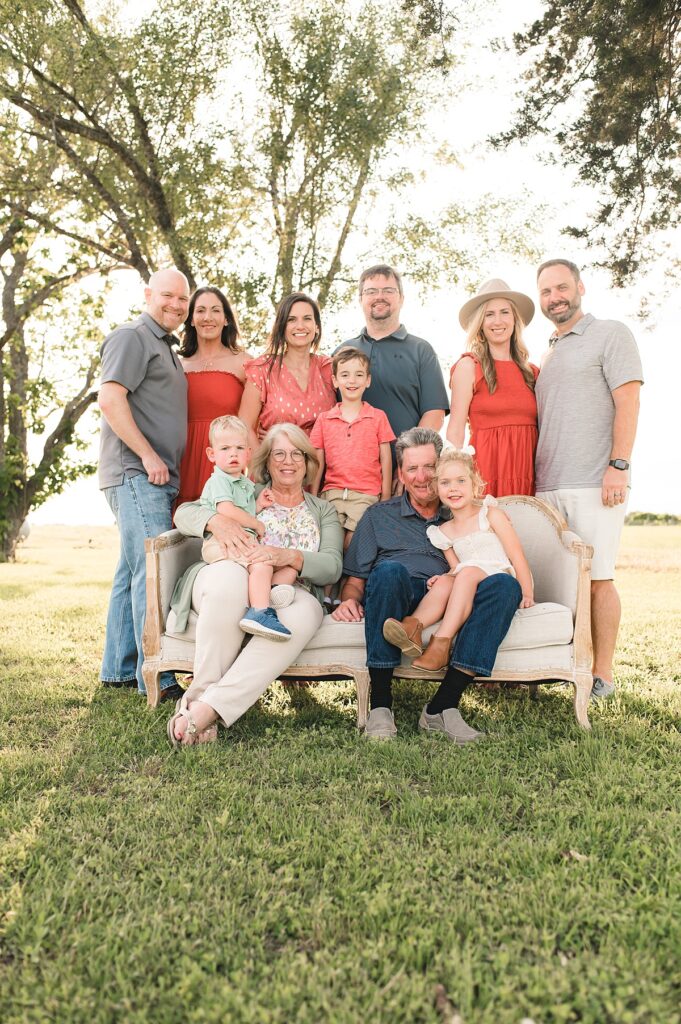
[(503, 429), (210, 393)]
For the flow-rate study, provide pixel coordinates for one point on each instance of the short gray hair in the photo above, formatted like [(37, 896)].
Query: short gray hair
[(297, 437), (572, 267), (416, 438)]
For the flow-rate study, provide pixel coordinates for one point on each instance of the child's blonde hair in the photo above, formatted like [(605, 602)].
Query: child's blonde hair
[(222, 423), (450, 455)]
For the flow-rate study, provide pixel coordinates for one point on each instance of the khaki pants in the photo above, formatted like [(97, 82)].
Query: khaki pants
[(213, 551), (226, 678)]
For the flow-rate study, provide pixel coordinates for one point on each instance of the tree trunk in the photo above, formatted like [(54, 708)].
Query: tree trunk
[(10, 528)]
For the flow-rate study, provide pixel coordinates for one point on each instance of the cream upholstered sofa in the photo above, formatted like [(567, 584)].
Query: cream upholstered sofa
[(550, 641)]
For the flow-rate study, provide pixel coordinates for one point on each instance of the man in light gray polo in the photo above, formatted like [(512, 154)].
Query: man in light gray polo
[(588, 400), (143, 399)]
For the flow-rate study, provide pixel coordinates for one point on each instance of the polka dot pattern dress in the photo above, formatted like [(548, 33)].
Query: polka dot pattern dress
[(283, 399)]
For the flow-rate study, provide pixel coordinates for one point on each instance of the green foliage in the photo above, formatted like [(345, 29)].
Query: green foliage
[(133, 139), (116, 106), (652, 519), (50, 336), (293, 872), (436, 20), (605, 85), (453, 246), (340, 90)]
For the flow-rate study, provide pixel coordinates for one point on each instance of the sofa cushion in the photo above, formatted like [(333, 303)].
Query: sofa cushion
[(543, 625)]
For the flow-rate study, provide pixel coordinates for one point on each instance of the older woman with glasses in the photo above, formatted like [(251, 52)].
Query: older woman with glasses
[(302, 532)]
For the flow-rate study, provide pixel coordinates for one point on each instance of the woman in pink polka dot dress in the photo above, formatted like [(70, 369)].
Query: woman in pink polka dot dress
[(290, 383)]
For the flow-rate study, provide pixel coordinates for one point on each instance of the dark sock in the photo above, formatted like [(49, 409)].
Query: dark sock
[(449, 691), (381, 687)]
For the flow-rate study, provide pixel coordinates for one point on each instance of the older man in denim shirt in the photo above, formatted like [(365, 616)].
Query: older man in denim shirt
[(388, 564)]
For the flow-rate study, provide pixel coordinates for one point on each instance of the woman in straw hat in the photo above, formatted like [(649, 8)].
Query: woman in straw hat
[(493, 389)]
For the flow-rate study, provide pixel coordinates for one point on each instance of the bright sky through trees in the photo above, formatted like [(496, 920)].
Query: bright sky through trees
[(481, 106)]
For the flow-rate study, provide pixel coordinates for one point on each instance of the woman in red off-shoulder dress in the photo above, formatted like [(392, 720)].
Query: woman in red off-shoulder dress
[(493, 390), (213, 363)]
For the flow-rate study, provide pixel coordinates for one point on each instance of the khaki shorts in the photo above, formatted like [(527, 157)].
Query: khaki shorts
[(594, 522), (350, 505)]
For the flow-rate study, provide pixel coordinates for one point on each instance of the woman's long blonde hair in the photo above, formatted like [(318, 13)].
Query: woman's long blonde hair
[(477, 344)]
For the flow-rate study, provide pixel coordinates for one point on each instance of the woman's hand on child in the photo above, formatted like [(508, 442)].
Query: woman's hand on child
[(432, 581), (527, 601)]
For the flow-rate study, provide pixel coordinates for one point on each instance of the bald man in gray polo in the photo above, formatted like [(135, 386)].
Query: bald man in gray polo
[(143, 399)]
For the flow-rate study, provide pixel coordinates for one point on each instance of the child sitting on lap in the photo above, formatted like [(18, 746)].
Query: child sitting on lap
[(478, 541), (230, 493)]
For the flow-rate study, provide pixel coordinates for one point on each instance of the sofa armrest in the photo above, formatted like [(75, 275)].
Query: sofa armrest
[(558, 558), (168, 556)]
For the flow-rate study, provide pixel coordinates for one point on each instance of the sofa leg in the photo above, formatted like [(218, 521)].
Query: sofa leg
[(583, 683), (362, 684), (151, 675)]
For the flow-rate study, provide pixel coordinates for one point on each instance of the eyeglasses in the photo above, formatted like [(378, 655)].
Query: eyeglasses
[(279, 455), (371, 293)]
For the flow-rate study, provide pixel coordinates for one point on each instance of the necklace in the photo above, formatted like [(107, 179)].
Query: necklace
[(208, 362)]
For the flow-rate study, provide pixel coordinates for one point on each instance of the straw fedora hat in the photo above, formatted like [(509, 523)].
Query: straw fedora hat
[(496, 289)]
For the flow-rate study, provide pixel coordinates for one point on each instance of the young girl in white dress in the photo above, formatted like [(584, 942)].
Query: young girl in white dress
[(477, 541)]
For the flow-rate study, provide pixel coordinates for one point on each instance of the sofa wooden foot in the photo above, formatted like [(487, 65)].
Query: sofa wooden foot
[(583, 684), (151, 676), (362, 684)]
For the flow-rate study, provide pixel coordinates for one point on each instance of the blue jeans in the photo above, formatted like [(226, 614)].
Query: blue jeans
[(392, 593), (142, 510)]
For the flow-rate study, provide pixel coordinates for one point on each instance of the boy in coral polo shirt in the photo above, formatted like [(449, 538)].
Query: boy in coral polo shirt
[(353, 444)]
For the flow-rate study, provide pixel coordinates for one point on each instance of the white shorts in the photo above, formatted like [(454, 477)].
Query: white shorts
[(594, 522)]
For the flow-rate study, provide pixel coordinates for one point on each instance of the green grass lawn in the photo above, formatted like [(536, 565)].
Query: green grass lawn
[(292, 872)]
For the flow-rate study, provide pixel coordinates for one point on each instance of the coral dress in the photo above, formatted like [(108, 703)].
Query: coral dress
[(210, 393), (283, 400), (503, 429)]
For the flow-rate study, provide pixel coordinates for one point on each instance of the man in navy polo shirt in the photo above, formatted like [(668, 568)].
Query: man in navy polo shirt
[(406, 379), (388, 564)]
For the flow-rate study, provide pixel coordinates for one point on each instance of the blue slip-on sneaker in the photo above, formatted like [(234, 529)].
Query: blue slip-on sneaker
[(601, 689), (264, 622)]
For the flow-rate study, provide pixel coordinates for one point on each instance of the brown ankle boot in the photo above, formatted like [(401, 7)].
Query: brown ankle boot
[(405, 634), (436, 654)]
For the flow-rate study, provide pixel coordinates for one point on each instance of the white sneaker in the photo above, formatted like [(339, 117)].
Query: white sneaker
[(380, 725), (282, 595)]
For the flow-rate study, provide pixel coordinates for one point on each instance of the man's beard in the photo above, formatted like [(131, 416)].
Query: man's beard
[(384, 313), (564, 315)]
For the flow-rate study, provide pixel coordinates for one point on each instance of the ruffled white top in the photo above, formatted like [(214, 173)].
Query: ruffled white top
[(481, 549)]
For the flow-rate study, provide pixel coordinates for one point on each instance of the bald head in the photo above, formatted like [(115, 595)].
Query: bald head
[(167, 298)]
